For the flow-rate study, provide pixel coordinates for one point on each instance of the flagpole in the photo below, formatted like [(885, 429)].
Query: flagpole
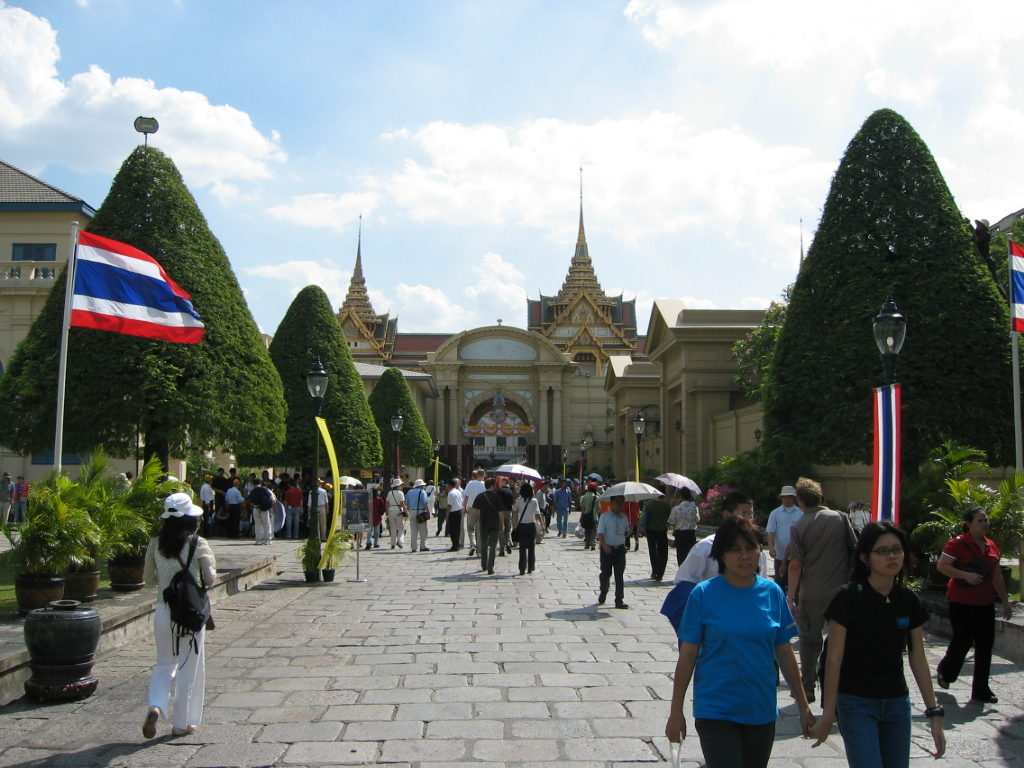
[(69, 290), (1015, 349)]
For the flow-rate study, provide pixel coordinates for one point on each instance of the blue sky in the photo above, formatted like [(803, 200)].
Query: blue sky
[(706, 131)]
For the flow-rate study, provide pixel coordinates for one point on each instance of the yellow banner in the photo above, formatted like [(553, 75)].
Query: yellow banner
[(321, 424)]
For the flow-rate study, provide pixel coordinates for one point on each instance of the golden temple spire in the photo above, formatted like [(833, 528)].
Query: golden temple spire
[(357, 300)]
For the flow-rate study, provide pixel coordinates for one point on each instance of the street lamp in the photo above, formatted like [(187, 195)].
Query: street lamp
[(316, 383), (397, 420), (565, 457), (583, 458), (437, 460), (890, 329), (639, 424)]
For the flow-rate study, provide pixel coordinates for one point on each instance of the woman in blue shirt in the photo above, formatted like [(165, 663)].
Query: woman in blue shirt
[(735, 627)]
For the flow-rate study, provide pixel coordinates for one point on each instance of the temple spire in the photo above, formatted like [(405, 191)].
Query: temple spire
[(581, 277), (357, 300), (581, 238)]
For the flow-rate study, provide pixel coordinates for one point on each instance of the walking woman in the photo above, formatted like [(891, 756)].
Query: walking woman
[(178, 683), (735, 628), (529, 520), (870, 622), (971, 560), (683, 519)]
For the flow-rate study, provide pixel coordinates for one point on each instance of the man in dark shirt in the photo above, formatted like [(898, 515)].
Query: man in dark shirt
[(492, 522), (501, 486), (654, 523)]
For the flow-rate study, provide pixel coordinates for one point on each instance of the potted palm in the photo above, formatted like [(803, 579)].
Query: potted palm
[(334, 552), (309, 556), (58, 533)]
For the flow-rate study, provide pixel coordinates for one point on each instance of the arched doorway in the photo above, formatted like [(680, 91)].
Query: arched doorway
[(499, 429)]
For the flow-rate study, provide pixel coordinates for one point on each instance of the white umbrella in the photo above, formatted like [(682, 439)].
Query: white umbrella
[(595, 476), (632, 491), (679, 481), (517, 470), (349, 481)]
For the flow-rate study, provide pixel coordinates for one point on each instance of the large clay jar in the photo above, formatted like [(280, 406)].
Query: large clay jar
[(62, 640), (37, 591), (81, 585), (126, 573)]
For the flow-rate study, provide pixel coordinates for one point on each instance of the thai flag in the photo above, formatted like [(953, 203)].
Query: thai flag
[(1017, 286), (119, 288), (885, 504)]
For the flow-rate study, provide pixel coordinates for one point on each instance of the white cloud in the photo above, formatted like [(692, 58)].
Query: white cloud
[(322, 210), (85, 122), (290, 277)]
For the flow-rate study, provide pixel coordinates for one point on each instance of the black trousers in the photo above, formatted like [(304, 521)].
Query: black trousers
[(972, 625), (488, 544), (614, 561), (527, 546), (684, 543), (455, 527), (234, 516), (726, 744), (657, 549)]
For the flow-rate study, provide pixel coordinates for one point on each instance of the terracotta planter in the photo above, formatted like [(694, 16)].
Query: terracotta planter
[(35, 592), (62, 640), (81, 585), (126, 573)]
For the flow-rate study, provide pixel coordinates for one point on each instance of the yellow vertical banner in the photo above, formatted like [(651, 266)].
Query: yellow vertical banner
[(321, 424)]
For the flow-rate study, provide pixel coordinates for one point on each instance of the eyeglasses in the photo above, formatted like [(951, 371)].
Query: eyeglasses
[(888, 552)]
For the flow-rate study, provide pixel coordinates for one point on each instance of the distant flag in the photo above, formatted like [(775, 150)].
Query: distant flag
[(1017, 286), (119, 288), (885, 502)]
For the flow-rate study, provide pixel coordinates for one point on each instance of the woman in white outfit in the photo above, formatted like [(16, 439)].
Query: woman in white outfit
[(178, 683), (398, 511)]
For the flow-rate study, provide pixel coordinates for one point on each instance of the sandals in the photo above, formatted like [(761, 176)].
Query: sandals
[(149, 726), (183, 731)]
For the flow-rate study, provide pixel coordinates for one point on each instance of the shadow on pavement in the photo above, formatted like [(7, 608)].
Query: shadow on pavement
[(1010, 737), (586, 613)]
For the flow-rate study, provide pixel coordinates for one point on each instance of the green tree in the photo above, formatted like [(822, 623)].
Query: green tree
[(392, 395), (310, 330), (223, 391), (889, 226), (753, 353)]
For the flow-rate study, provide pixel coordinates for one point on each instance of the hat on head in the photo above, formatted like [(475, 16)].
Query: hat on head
[(787, 490), (419, 483), (180, 505), (396, 482), (7, 474), (591, 486)]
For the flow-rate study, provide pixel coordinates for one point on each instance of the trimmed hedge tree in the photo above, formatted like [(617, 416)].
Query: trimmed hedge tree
[(309, 330), (889, 226), (223, 391), (392, 394)]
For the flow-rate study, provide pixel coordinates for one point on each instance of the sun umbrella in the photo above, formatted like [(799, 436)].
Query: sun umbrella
[(517, 470), (679, 481), (350, 481), (632, 491), (595, 476)]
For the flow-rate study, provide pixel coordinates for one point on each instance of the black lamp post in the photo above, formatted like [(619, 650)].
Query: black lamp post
[(316, 383), (583, 458), (890, 330), (396, 426), (639, 425)]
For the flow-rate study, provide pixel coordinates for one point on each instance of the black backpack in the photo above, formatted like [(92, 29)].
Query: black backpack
[(265, 499), (187, 601)]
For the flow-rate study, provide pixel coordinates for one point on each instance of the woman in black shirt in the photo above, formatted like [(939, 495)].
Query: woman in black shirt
[(870, 621)]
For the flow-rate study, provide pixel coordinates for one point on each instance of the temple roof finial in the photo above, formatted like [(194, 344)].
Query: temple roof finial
[(357, 300), (581, 238)]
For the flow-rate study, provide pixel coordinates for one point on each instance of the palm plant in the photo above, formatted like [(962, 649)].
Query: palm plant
[(1004, 505), (142, 503)]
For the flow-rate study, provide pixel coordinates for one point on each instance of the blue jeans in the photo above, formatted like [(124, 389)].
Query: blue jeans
[(291, 522), (562, 518), (876, 732)]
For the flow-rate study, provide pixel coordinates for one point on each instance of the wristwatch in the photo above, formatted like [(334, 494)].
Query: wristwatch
[(937, 711)]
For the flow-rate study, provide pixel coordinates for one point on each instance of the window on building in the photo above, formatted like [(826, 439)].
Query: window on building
[(34, 252), (478, 442), (502, 442)]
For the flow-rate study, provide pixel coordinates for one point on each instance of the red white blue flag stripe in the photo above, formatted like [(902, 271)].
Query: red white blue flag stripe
[(1017, 286), (885, 504), (119, 288)]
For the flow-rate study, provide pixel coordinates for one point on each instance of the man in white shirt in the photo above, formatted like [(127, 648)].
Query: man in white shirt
[(699, 565), (473, 488), (456, 502), (780, 522), (398, 511)]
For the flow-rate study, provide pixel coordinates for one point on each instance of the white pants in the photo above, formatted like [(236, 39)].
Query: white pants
[(397, 523), (472, 519), (418, 532), (262, 519), (178, 683)]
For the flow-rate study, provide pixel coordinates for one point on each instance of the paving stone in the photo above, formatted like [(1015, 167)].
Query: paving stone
[(333, 753), (592, 709), (511, 710), (354, 713), (236, 756), (435, 711), (292, 733), (550, 729), (467, 694), (509, 752), (543, 694), (423, 751), (383, 731)]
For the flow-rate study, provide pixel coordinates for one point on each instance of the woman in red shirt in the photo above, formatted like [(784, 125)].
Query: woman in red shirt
[(971, 560)]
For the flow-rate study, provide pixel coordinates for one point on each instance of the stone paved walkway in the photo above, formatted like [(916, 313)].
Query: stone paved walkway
[(430, 662)]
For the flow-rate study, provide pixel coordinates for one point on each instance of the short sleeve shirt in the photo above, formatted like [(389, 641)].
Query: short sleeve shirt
[(737, 629), (823, 542), (455, 499), (965, 551), (614, 527), (876, 637)]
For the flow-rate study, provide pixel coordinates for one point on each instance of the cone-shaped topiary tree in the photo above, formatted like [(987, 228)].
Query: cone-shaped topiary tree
[(889, 226), (392, 395), (310, 330), (223, 391)]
